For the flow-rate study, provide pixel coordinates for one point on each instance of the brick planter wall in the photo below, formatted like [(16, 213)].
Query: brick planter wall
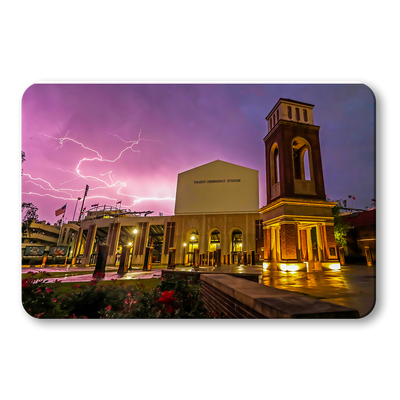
[(224, 305)]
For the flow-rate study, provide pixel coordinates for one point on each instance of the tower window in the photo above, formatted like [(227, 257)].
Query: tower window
[(275, 165), (274, 118), (289, 110), (297, 114), (277, 115), (305, 117), (301, 160)]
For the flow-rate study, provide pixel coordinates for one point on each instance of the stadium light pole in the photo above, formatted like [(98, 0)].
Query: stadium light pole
[(76, 205)]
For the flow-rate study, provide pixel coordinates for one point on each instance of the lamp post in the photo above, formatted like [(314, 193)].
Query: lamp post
[(192, 242), (184, 248), (76, 205), (133, 246)]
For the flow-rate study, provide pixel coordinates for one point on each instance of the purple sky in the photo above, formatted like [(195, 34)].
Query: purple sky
[(181, 126)]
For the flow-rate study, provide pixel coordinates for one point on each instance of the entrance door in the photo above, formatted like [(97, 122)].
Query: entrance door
[(156, 240)]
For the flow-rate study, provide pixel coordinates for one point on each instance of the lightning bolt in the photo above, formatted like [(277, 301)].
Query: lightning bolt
[(63, 192)]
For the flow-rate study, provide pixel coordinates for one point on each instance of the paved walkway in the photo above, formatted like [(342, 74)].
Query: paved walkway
[(111, 273), (352, 286)]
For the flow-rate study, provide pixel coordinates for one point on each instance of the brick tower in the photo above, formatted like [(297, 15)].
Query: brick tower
[(297, 210)]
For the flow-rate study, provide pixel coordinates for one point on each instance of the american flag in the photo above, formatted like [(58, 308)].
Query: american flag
[(61, 210), (95, 205)]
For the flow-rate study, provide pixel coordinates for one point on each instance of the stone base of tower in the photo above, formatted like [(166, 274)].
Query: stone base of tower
[(299, 235)]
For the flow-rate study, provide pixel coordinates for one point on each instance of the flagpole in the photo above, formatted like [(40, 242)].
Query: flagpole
[(65, 211), (83, 201), (62, 223)]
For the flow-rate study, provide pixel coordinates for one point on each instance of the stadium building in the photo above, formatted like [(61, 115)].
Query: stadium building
[(216, 209)]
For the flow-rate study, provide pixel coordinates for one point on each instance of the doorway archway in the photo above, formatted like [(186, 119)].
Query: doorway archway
[(193, 243), (214, 240), (236, 240)]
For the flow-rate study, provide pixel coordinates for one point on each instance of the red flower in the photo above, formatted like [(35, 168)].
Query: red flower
[(167, 298), (108, 308), (135, 301), (55, 300), (25, 283), (215, 314), (48, 290)]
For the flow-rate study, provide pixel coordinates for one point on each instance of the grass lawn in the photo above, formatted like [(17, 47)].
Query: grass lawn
[(65, 287), (61, 274), (146, 284)]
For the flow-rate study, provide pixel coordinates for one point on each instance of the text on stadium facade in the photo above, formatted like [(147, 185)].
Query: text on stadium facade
[(218, 181)]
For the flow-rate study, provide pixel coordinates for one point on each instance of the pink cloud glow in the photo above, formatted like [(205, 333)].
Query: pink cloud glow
[(129, 142)]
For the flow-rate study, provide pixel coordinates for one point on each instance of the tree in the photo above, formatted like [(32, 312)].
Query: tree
[(23, 159), (30, 215), (340, 228)]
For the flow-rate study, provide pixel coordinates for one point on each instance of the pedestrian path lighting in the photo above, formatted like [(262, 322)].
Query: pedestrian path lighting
[(131, 250), (192, 242)]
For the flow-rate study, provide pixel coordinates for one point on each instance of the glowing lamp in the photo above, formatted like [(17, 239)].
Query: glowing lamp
[(130, 244), (135, 231), (192, 238), (335, 266), (184, 244), (265, 265)]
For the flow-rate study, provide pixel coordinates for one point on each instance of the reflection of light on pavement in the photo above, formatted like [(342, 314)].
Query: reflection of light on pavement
[(291, 267)]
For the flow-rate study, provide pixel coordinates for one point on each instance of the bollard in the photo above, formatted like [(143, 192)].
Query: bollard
[(147, 259), (100, 267), (218, 257), (253, 257), (368, 256), (341, 256), (171, 258), (44, 259), (123, 261), (196, 257)]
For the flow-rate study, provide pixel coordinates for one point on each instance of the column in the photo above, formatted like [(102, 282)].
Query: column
[(77, 245), (112, 241), (91, 236), (298, 242), (303, 245), (319, 243), (309, 246), (267, 244), (278, 243), (273, 244), (65, 241)]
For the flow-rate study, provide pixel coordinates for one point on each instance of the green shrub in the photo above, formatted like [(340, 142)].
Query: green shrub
[(172, 298)]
